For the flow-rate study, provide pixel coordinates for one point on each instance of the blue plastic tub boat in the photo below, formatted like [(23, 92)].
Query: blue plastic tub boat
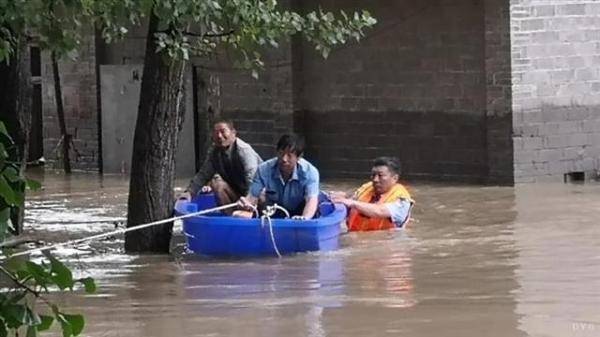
[(220, 235)]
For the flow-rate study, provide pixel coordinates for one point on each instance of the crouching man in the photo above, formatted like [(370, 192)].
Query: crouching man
[(228, 169)]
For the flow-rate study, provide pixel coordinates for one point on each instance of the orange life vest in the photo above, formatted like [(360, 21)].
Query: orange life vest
[(359, 222)]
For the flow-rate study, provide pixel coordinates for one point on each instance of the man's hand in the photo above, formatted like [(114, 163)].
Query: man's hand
[(337, 195), (340, 198), (246, 206), (245, 203), (206, 189), (242, 214), (298, 217)]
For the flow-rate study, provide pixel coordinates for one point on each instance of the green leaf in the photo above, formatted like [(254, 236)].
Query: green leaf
[(33, 185), (76, 322), (20, 198), (11, 174), (40, 275), (3, 153), (89, 284), (4, 214), (64, 325), (6, 192), (4, 219), (15, 314), (3, 130), (46, 323), (3, 330), (32, 331), (60, 274), (15, 264)]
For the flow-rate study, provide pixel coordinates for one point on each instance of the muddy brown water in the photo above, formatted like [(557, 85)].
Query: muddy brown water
[(476, 261)]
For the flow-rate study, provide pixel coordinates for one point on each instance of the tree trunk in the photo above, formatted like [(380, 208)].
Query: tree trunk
[(66, 138), (15, 111), (159, 120)]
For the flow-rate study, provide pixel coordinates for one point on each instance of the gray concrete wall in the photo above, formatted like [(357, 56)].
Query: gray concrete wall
[(556, 88)]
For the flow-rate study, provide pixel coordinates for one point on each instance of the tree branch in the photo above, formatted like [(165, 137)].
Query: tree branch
[(209, 34), (19, 283)]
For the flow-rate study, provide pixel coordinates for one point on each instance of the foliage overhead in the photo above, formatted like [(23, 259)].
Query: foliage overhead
[(187, 27)]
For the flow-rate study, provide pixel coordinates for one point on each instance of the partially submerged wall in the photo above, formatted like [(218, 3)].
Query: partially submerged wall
[(556, 88)]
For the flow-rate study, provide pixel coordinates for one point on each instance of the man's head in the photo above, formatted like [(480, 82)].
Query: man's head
[(289, 150), (385, 174), (224, 133)]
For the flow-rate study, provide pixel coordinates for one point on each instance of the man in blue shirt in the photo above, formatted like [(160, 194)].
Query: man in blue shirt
[(287, 180)]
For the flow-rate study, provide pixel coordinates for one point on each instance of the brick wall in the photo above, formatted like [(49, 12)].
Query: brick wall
[(417, 87), (484, 91), (556, 88), (78, 81), (498, 92), (262, 108), (413, 88)]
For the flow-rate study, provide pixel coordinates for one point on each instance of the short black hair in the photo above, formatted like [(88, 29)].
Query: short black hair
[(392, 163), (227, 122), (292, 142)]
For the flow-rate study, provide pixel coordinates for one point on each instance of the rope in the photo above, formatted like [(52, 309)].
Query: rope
[(254, 210), (119, 231), (267, 213), (268, 218), (287, 214)]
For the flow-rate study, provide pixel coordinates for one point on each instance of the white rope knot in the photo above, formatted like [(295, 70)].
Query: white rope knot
[(268, 212)]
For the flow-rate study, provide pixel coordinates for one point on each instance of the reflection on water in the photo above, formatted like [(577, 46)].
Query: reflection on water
[(476, 261)]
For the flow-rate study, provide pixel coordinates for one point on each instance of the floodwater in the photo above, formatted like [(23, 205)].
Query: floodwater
[(476, 261)]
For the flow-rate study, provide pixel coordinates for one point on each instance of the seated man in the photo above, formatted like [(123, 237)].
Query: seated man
[(382, 203), (287, 180), (228, 169)]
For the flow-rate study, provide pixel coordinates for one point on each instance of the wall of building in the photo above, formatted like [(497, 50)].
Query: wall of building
[(413, 88), (482, 91), (417, 87), (499, 141), (262, 109), (556, 88), (79, 86)]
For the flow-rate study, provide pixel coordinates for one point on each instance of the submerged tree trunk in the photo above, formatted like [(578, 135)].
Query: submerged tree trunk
[(159, 120), (15, 111)]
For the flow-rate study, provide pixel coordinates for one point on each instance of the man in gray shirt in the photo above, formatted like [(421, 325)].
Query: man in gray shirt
[(229, 167)]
